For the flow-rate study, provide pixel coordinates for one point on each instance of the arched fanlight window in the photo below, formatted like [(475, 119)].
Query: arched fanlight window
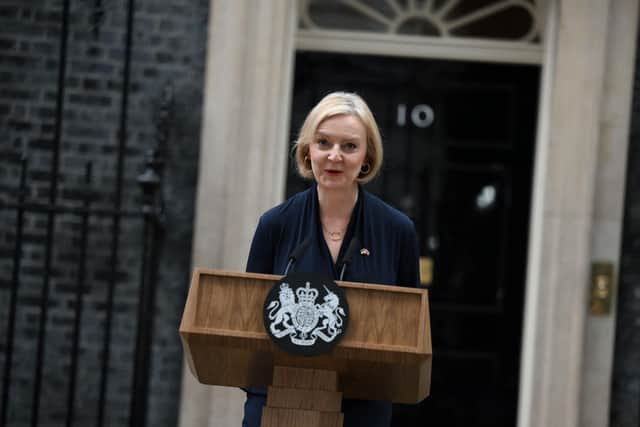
[(514, 20)]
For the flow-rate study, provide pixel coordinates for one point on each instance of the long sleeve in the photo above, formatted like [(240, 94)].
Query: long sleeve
[(262, 246), (409, 269)]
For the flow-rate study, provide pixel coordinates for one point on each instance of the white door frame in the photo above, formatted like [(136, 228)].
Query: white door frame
[(419, 47)]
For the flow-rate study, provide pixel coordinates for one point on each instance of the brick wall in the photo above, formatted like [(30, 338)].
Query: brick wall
[(169, 42), (625, 400)]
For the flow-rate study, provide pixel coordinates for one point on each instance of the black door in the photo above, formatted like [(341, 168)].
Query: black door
[(458, 140)]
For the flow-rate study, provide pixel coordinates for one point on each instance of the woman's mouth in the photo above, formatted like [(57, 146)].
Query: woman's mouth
[(333, 172)]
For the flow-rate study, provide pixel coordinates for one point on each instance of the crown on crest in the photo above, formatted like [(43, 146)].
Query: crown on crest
[(306, 294)]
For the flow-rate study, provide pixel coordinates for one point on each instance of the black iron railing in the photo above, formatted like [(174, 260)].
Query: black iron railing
[(148, 216)]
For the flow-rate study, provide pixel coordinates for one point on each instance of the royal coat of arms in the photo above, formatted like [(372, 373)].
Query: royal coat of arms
[(298, 322)]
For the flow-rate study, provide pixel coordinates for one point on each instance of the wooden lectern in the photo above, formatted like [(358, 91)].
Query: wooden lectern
[(384, 355)]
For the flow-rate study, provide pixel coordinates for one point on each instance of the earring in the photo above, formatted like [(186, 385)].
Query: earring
[(366, 170)]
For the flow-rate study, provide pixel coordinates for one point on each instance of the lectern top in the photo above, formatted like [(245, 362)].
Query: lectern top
[(387, 345)]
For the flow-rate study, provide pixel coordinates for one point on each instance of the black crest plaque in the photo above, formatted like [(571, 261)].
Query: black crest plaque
[(306, 313)]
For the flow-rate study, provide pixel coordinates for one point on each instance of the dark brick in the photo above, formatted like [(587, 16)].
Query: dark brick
[(116, 54), (74, 194), (90, 100), (87, 131), (44, 48), (109, 149), (164, 57), (158, 8), (29, 301), (45, 113), (167, 26), (53, 32), (16, 60), (27, 14), (157, 40), (7, 77), (47, 128), (7, 44), (19, 27), (51, 64), (150, 72), (48, 17), (90, 84), (14, 94), (19, 111), (178, 9), (18, 125), (72, 82), (114, 85), (92, 67), (94, 51), (81, 36), (9, 12), (39, 175)]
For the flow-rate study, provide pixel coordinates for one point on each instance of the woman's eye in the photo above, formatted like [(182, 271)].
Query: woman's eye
[(349, 146), (323, 143)]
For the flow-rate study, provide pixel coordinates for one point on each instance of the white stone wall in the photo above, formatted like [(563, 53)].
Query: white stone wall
[(242, 156)]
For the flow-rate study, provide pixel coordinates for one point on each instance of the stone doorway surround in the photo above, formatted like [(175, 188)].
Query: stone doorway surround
[(245, 126), (579, 184), (583, 125)]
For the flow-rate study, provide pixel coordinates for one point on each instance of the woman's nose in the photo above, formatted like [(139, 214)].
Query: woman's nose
[(334, 154)]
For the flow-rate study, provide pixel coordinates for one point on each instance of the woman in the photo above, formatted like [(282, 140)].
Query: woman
[(339, 147)]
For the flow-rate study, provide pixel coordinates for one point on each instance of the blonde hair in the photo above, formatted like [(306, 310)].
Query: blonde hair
[(335, 104)]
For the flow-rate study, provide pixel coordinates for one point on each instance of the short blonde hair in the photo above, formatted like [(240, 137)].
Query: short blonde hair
[(335, 104)]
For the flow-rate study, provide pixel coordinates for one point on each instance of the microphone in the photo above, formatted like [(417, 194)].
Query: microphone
[(296, 253), (348, 255)]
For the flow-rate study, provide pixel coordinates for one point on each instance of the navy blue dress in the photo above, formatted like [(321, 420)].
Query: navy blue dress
[(392, 259)]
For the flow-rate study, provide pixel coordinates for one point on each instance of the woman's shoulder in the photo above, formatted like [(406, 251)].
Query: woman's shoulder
[(282, 211), (387, 213)]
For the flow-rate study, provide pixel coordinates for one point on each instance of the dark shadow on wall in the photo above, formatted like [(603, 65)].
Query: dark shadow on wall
[(625, 393)]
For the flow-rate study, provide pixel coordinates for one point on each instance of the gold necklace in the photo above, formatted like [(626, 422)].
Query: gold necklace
[(334, 236), (337, 236)]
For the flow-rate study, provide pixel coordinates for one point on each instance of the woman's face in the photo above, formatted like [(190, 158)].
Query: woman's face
[(337, 151)]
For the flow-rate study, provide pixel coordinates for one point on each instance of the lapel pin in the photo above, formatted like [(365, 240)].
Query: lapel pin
[(364, 251)]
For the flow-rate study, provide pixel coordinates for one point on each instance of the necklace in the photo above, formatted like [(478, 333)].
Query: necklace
[(334, 236), (337, 235)]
